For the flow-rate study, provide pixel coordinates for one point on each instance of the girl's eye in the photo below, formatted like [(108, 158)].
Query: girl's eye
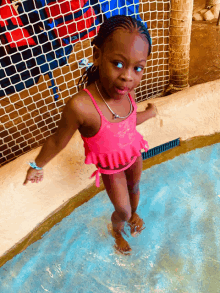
[(141, 68), (118, 63)]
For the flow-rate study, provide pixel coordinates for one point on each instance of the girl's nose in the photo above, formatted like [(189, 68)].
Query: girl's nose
[(127, 75)]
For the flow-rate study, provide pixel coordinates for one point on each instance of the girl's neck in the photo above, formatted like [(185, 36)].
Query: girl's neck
[(100, 91)]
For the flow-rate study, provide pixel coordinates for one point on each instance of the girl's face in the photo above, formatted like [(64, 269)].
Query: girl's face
[(121, 64)]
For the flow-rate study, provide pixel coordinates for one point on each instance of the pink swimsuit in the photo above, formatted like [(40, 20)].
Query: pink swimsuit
[(114, 144)]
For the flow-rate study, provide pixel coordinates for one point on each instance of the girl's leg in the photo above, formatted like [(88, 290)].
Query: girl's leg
[(133, 176), (116, 188)]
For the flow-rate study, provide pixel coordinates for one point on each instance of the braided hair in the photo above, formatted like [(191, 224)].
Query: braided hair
[(106, 29)]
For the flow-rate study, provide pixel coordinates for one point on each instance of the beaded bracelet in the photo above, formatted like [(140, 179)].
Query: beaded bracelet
[(34, 166)]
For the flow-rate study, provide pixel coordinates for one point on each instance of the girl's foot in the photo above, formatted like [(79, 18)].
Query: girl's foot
[(136, 224), (121, 245)]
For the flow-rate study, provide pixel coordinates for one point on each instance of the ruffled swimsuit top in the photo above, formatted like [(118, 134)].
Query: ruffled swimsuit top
[(115, 143)]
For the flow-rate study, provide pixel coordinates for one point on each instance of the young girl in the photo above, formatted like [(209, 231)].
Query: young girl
[(105, 115)]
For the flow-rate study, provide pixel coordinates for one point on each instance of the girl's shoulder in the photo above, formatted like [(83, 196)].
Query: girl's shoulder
[(83, 98), (81, 102), (79, 99)]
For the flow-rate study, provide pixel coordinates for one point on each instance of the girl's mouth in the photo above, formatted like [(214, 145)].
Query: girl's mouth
[(121, 92)]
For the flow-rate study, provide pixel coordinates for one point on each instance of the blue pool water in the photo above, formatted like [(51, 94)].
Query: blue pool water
[(177, 252)]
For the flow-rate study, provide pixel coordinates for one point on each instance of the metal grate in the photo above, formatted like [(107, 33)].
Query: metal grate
[(160, 149)]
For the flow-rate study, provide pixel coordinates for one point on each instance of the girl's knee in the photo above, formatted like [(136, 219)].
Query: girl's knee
[(124, 214), (134, 189)]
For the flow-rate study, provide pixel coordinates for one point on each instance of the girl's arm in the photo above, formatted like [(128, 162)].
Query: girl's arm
[(150, 112), (70, 121)]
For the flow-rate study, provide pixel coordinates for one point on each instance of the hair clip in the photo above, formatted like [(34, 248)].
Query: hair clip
[(85, 63)]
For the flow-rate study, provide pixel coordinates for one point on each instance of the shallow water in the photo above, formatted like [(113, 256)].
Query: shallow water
[(177, 251)]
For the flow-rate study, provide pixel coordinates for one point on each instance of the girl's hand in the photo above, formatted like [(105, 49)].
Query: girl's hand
[(153, 109), (34, 175)]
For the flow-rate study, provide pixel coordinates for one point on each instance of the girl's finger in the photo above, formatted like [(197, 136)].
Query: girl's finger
[(25, 182)]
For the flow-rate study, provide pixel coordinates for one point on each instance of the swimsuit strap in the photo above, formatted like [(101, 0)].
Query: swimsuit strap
[(96, 173), (94, 101)]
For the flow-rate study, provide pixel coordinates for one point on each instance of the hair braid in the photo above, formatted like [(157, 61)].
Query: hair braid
[(106, 29)]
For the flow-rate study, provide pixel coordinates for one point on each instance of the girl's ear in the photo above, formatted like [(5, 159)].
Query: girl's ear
[(96, 55)]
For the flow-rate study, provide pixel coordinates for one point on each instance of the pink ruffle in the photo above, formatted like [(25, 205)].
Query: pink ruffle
[(113, 159)]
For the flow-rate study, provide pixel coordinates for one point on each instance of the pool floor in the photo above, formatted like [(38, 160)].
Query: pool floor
[(178, 251)]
